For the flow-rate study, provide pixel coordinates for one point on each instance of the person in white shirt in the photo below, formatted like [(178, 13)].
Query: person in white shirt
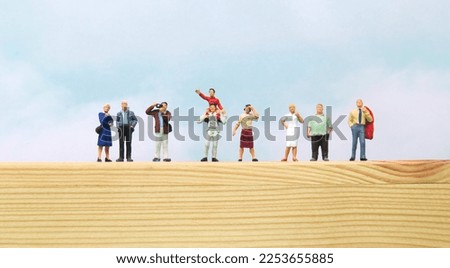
[(213, 117), (291, 123)]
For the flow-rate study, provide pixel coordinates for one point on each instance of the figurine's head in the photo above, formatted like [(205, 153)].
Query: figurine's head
[(248, 108), (212, 92), (163, 107), (319, 108), (292, 108), (124, 105), (212, 108), (106, 108), (359, 103)]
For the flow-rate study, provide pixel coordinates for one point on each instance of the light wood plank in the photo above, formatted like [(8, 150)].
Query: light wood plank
[(336, 204)]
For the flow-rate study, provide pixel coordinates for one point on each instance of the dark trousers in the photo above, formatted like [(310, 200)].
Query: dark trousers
[(125, 135), (322, 142)]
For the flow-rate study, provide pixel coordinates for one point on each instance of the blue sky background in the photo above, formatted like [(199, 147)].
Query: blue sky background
[(60, 61)]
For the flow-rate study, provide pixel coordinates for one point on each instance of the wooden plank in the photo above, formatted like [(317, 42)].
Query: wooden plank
[(336, 204)]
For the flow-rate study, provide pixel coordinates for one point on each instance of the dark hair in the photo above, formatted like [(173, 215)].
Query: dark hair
[(212, 90), (247, 105), (165, 103)]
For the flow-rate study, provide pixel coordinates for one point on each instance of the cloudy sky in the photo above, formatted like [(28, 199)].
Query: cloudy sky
[(60, 61)]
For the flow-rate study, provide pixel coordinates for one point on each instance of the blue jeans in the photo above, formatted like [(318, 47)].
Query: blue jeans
[(358, 131)]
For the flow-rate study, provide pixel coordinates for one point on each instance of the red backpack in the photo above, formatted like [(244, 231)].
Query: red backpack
[(370, 128)]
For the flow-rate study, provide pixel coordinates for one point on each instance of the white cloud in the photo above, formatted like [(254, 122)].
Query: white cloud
[(105, 32), (410, 108), (46, 125)]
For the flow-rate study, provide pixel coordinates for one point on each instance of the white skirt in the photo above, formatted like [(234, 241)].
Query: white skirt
[(291, 141), (291, 138)]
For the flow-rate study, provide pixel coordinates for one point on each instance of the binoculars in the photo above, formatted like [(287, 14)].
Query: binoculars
[(159, 105)]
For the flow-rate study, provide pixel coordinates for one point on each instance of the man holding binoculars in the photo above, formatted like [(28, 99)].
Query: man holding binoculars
[(161, 118)]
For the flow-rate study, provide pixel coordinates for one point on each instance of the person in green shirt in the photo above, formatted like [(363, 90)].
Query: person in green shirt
[(319, 129)]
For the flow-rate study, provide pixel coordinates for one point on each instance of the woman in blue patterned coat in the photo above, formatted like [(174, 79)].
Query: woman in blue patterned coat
[(104, 138)]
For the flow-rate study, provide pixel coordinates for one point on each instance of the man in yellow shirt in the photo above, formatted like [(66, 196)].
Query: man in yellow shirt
[(357, 121)]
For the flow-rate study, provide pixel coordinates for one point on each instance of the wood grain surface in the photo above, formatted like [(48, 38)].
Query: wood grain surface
[(335, 204)]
